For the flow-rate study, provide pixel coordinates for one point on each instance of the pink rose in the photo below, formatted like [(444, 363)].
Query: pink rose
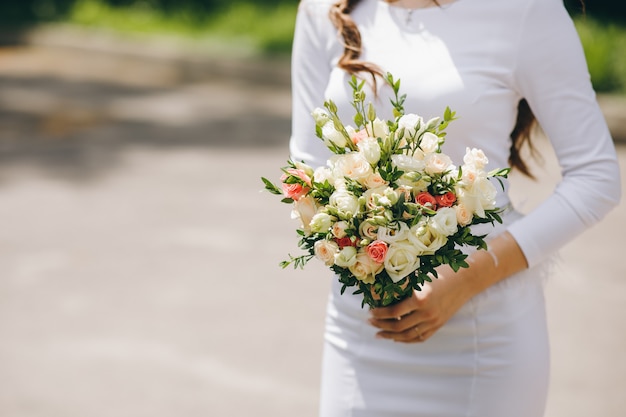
[(377, 250), (296, 190), (445, 200), (427, 200), (300, 174)]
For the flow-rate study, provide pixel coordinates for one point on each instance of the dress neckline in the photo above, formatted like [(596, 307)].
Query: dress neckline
[(411, 20)]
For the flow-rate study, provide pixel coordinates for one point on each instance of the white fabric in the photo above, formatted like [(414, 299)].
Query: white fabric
[(479, 57)]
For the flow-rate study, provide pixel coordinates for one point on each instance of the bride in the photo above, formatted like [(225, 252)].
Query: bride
[(472, 343)]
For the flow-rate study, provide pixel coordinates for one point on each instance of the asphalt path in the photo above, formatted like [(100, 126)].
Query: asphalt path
[(138, 256)]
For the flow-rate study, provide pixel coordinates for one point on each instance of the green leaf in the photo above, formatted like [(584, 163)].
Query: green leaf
[(269, 186)]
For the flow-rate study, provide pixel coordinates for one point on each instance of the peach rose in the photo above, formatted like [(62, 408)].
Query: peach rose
[(325, 251)]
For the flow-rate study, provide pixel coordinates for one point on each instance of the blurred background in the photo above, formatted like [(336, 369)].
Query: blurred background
[(132, 282)]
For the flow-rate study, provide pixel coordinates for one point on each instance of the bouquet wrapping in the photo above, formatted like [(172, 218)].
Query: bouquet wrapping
[(389, 207)]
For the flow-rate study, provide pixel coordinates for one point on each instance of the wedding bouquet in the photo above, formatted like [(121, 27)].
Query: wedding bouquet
[(389, 207)]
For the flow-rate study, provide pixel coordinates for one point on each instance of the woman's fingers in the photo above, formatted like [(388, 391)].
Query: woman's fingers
[(414, 334), (395, 311), (399, 324)]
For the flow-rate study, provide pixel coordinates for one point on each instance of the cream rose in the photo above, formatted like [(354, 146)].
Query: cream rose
[(345, 202), (425, 240), (372, 196), (304, 209), (464, 215), (375, 181), (365, 269), (402, 259), (368, 230), (339, 229), (325, 251), (354, 166), (437, 163)]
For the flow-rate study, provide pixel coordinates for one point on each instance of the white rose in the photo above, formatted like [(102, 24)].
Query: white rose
[(393, 233), (429, 143), (380, 128), (325, 251), (486, 192), (323, 174), (375, 181), (425, 240), (304, 209), (365, 269), (437, 163), (370, 149), (339, 229), (406, 163), (332, 135), (411, 123), (402, 259), (340, 184), (346, 257), (353, 166), (464, 215), (444, 222), (320, 223), (475, 157), (345, 202), (368, 230), (414, 181)]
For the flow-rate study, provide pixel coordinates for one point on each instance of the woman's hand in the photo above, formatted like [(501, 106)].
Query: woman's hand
[(417, 318)]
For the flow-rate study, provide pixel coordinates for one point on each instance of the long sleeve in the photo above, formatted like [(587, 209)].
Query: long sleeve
[(551, 73), (314, 43)]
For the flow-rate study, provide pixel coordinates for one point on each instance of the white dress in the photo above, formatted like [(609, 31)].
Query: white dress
[(480, 57)]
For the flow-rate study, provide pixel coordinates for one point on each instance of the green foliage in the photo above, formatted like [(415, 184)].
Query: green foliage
[(262, 26), (605, 50)]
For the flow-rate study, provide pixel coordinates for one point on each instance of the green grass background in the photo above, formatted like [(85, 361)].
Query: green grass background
[(266, 27)]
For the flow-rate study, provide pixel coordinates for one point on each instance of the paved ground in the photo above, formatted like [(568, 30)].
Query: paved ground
[(132, 280)]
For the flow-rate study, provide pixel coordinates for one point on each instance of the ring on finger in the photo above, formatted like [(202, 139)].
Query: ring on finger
[(420, 336)]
